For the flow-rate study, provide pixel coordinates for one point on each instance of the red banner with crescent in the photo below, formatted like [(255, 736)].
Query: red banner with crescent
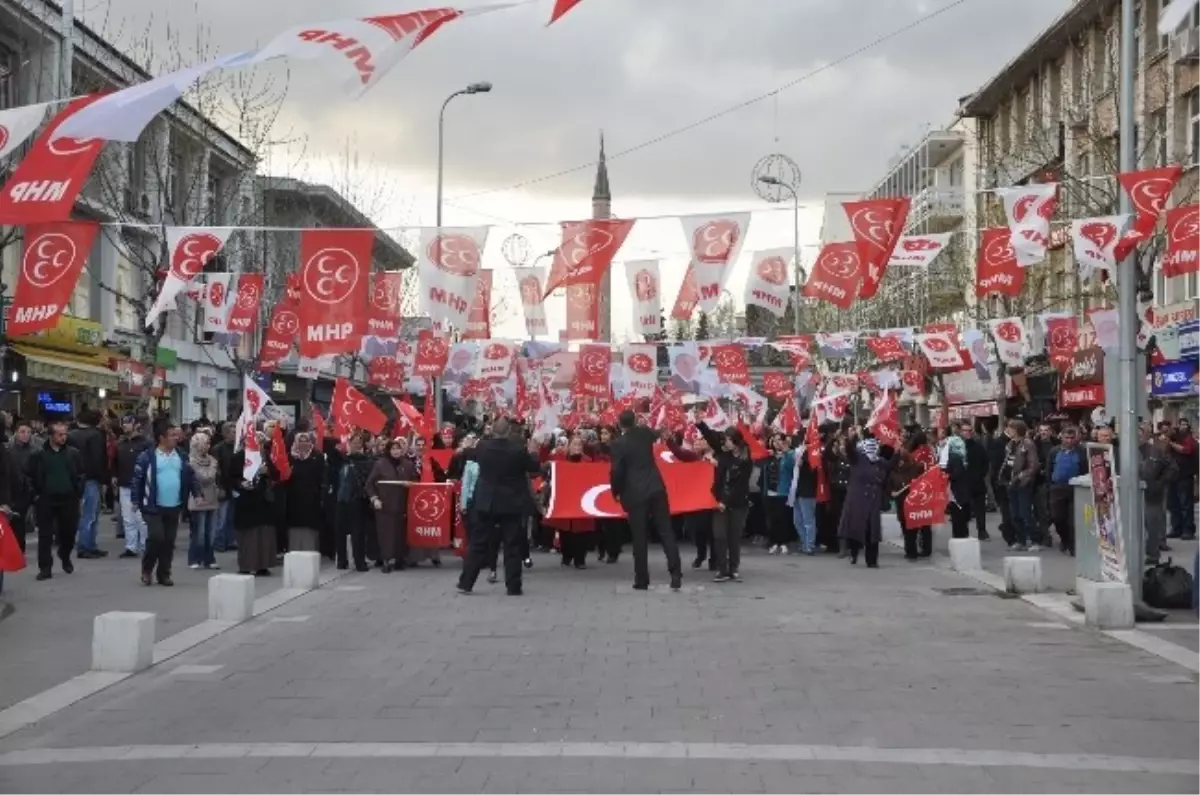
[(877, 226), (280, 333), (479, 317), (586, 251), (244, 312), (50, 267), (583, 312), (925, 503), (334, 285), (383, 312), (430, 515), (582, 491), (429, 360)]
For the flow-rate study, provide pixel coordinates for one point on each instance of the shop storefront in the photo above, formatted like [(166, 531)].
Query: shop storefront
[(969, 397), (134, 392), (1174, 387), (1082, 383), (55, 373)]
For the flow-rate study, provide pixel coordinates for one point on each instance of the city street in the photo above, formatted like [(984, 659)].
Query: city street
[(812, 675)]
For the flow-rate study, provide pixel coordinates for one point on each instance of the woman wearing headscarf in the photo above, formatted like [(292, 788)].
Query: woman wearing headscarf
[(302, 494), (389, 502), (203, 505), (860, 525), (253, 517)]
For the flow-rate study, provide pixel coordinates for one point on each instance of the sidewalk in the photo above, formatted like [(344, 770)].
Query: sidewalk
[(47, 637)]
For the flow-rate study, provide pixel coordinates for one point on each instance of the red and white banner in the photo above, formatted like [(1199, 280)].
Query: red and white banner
[(767, 285), (1029, 209), (831, 409), (429, 358), (46, 183), (50, 266), (351, 408), (530, 282), (479, 317), (583, 312), (243, 312), (886, 348), (582, 491), (190, 249), (927, 498), (1095, 241), (216, 302), (383, 312), (688, 297), (836, 275), (17, 124), (253, 460), (448, 264), (430, 513), (918, 250), (731, 364), (940, 350), (716, 241), (1009, 334), (877, 225), (591, 372), (777, 385), (645, 287), (586, 251), (1148, 192), (996, 270), (334, 286), (641, 370), (385, 372), (496, 360), (1062, 339), (281, 333), (1182, 255)]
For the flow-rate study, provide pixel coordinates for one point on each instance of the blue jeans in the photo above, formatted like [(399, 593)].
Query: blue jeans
[(804, 516), (1025, 527), (89, 517), (132, 522), (224, 537), (1180, 502), (200, 550)]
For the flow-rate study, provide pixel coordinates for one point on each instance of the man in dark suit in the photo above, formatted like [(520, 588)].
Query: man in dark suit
[(500, 504), (638, 486)]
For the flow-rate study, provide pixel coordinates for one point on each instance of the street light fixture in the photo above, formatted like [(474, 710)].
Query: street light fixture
[(775, 182)]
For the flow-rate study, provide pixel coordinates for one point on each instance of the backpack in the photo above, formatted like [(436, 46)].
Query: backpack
[(1167, 587)]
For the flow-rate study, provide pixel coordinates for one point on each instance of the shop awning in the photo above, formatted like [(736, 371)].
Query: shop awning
[(65, 368)]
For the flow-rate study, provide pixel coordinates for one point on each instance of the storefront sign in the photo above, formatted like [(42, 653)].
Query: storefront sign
[(1081, 397), (1173, 314), (1174, 379), (1189, 339), (970, 411), (72, 335), (208, 382)]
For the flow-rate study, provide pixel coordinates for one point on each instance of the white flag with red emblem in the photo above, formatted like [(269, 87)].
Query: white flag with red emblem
[(646, 289), (17, 124), (1009, 334), (940, 350), (448, 264), (215, 300), (767, 286), (496, 360), (716, 241), (641, 370), (530, 282), (190, 248), (1095, 242), (1029, 209), (918, 250)]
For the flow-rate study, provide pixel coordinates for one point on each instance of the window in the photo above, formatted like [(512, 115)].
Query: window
[(1165, 40), (1193, 128), (1137, 33), (127, 289), (81, 299), (8, 78)]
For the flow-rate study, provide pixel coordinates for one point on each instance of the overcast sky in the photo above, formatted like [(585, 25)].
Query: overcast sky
[(636, 69)]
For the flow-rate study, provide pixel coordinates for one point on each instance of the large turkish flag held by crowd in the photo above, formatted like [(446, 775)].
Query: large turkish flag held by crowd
[(582, 491)]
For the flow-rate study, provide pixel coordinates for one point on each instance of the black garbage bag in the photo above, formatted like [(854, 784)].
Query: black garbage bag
[(1167, 587)]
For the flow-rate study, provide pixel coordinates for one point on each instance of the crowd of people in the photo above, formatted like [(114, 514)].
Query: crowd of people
[(769, 488)]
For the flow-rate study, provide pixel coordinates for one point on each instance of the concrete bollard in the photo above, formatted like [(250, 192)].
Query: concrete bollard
[(302, 570), (1022, 574), (964, 554), (231, 597), (123, 642), (1108, 605)]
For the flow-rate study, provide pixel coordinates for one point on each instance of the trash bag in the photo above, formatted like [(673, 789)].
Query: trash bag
[(1167, 587)]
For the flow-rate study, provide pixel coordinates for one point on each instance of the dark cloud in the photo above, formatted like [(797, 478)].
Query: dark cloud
[(638, 68)]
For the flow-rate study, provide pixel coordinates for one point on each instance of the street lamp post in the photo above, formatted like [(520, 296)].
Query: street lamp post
[(474, 88), (778, 183)]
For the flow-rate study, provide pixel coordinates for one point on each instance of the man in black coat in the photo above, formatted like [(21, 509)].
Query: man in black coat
[(499, 505), (977, 477), (637, 484)]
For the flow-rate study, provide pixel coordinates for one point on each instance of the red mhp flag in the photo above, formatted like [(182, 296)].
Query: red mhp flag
[(587, 250), (583, 312), (244, 313), (886, 348), (1148, 190), (925, 503), (409, 416), (777, 385), (758, 450), (430, 511), (353, 409), (1062, 338), (812, 441), (732, 367), (788, 419), (885, 421), (431, 355), (11, 556), (836, 275), (280, 334), (689, 296), (877, 225), (319, 428), (996, 269), (479, 316), (385, 372), (334, 286), (50, 267), (1182, 255), (279, 455), (591, 373), (43, 188), (429, 416), (383, 312), (582, 491)]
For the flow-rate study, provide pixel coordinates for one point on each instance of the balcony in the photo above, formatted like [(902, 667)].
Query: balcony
[(937, 210)]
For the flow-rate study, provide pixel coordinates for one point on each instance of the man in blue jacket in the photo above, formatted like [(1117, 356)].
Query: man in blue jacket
[(162, 481)]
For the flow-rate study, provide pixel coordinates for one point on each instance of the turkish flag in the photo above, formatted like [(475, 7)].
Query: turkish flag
[(279, 454), (586, 251), (433, 351), (430, 513), (1148, 191), (927, 498), (996, 269), (246, 304), (50, 267), (281, 332), (11, 556), (582, 491), (44, 186), (352, 408), (877, 226), (732, 367), (383, 311), (334, 285), (836, 275)]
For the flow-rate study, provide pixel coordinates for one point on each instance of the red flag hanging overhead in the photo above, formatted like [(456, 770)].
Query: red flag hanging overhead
[(431, 355), (732, 367), (281, 332), (1183, 241), (50, 267), (479, 317), (1062, 338), (279, 454), (352, 408), (334, 264), (927, 498), (45, 185), (688, 298), (583, 312), (246, 303), (877, 226), (1148, 190), (836, 275), (587, 250), (591, 373), (997, 271), (383, 313), (561, 7)]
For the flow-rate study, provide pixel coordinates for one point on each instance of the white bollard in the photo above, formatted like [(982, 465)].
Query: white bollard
[(123, 642), (1108, 605), (231, 597), (1022, 574), (964, 554), (302, 570)]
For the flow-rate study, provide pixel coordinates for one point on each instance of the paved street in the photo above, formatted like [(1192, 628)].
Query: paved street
[(812, 675)]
